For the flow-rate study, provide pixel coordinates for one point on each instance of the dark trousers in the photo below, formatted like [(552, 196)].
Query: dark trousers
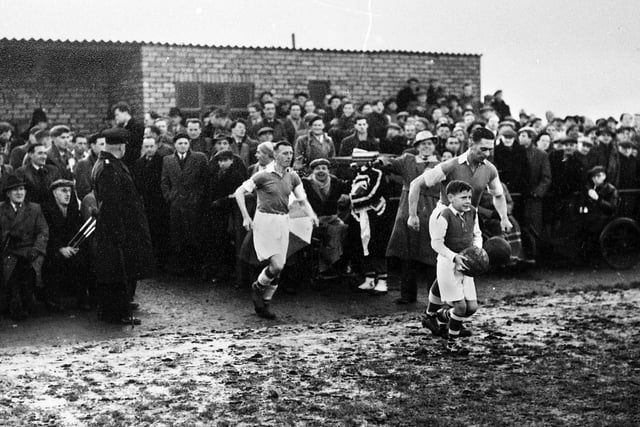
[(409, 278), (113, 301), (532, 224), (18, 292)]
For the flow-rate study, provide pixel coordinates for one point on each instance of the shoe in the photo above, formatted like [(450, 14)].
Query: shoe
[(464, 332), (256, 297), (404, 301), (380, 287), (368, 285), (266, 312), (431, 324), (456, 347)]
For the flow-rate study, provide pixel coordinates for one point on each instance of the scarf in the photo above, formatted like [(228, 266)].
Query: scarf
[(322, 189)]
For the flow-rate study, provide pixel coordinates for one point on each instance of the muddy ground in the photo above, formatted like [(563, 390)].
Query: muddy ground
[(550, 347)]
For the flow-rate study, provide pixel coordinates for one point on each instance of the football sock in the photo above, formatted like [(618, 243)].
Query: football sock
[(442, 316), (266, 277), (455, 324), (435, 303)]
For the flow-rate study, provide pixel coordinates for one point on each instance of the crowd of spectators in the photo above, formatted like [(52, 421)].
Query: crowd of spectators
[(186, 170)]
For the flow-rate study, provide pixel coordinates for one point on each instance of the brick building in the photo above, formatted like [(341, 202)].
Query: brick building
[(77, 81)]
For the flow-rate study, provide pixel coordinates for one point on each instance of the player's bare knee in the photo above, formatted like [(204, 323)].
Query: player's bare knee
[(460, 308), (472, 307)]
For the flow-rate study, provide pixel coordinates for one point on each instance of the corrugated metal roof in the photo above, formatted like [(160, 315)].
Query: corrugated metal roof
[(198, 45)]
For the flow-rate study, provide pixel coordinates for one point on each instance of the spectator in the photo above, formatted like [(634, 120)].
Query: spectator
[(334, 111), (255, 119), (324, 192), (176, 126), (501, 108), (165, 144), (62, 265), (269, 120), (184, 185), (511, 161), (240, 144), (408, 94), (198, 142), (566, 180), (24, 241), (394, 142), (58, 155), (539, 181), (37, 175), (226, 222), (147, 178), (122, 114), (315, 145), (360, 139), (377, 120), (294, 123), (85, 166)]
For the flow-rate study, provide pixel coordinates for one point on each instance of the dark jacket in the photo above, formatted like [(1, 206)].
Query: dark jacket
[(324, 206), (185, 189), (607, 202), (378, 125), (134, 147), (202, 145), (566, 175), (23, 231), (290, 131), (246, 150), (16, 158), (513, 167), (539, 171), (124, 250), (83, 175), (37, 182), (59, 159), (351, 142)]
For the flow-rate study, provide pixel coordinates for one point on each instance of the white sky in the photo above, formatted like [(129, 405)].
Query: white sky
[(572, 57)]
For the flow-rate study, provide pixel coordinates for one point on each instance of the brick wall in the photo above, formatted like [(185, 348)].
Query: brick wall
[(75, 83), (364, 76)]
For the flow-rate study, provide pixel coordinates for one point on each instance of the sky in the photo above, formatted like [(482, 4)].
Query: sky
[(570, 57)]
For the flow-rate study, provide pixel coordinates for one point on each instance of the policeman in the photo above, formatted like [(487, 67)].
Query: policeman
[(124, 251)]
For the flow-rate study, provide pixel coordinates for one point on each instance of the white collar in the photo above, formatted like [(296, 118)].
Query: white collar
[(463, 158), (270, 167)]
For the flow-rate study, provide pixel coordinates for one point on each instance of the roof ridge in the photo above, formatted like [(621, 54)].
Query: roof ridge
[(204, 45)]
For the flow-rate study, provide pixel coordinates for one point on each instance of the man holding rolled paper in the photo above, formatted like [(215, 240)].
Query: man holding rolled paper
[(62, 270), (124, 251)]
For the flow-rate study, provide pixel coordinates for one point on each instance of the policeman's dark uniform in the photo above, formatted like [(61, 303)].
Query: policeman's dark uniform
[(124, 250)]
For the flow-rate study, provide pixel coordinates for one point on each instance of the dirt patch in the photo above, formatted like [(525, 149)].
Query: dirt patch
[(570, 358)]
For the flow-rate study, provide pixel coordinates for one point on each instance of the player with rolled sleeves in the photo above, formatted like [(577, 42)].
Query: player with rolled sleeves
[(473, 168), (271, 221)]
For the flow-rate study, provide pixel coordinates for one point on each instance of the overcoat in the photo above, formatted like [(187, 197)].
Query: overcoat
[(405, 243), (22, 232), (124, 251), (185, 189)]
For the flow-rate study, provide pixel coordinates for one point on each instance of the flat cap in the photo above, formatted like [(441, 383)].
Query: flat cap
[(116, 136), (265, 129), (319, 162), (61, 183)]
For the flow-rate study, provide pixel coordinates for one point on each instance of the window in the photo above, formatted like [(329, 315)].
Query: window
[(201, 97), (318, 89)]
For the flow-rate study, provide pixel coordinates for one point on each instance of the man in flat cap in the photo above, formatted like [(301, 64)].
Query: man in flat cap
[(24, 244), (61, 266), (225, 241), (324, 192), (124, 250)]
